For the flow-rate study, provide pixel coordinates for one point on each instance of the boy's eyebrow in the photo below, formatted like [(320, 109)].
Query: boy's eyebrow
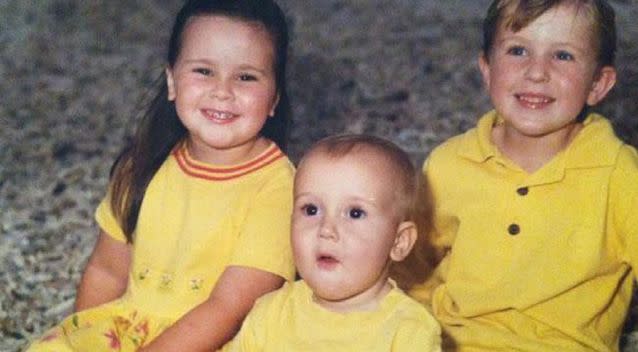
[(513, 37)]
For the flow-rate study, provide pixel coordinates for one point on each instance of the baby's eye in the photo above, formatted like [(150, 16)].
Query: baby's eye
[(247, 77), (203, 71), (309, 209), (517, 51), (564, 56), (356, 213)]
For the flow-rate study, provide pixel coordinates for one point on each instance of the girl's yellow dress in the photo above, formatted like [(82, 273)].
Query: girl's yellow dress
[(196, 219)]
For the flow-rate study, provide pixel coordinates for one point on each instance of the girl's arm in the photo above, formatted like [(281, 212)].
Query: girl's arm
[(106, 274), (208, 326)]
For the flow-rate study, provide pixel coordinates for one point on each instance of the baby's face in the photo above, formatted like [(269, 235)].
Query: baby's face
[(344, 225), (540, 77)]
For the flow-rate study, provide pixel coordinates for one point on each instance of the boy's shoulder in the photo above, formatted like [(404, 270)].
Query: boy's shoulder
[(474, 144)]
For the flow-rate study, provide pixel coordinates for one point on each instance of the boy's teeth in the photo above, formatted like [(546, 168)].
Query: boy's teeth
[(534, 100)]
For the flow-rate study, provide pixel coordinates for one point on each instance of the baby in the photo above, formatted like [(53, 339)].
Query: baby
[(353, 217)]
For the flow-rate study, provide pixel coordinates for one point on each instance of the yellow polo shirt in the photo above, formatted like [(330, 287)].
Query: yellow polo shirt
[(534, 262)]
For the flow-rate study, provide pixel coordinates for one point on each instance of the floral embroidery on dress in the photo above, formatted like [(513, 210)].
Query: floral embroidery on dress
[(129, 329), (165, 280), (143, 274), (196, 284)]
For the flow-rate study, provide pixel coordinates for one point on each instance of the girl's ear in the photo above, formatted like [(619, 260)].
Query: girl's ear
[(170, 83), (604, 82), (274, 106), (404, 241), (484, 66)]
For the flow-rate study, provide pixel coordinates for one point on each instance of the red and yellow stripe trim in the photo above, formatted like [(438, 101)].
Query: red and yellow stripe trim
[(205, 171)]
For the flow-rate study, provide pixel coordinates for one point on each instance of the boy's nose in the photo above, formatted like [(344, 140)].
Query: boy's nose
[(537, 70)]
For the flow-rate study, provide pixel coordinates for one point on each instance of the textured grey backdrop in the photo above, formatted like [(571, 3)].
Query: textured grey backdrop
[(75, 74)]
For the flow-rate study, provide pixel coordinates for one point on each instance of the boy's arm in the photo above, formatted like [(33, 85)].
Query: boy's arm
[(105, 276), (208, 326)]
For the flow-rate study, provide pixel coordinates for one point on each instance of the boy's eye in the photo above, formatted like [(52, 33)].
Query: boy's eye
[(564, 56), (247, 77), (516, 51), (203, 71), (356, 213), (309, 210)]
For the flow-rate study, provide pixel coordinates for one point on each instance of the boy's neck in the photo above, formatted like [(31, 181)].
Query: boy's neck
[(532, 152)]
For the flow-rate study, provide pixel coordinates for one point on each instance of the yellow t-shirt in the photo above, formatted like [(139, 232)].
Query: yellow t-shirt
[(534, 262), (195, 220), (289, 320)]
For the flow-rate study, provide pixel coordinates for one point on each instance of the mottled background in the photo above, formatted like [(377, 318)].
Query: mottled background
[(76, 74)]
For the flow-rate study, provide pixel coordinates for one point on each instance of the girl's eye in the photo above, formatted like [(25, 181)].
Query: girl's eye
[(516, 51), (564, 56), (356, 213), (203, 71), (309, 210), (247, 77)]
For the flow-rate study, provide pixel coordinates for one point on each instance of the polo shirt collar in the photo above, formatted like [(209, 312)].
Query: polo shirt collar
[(594, 146)]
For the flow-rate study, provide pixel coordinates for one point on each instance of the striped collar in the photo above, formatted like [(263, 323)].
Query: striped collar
[(198, 169)]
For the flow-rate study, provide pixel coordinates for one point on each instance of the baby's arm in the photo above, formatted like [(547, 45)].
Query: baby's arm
[(105, 276), (211, 324)]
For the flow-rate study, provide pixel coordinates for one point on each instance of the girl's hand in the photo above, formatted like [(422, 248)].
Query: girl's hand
[(105, 276)]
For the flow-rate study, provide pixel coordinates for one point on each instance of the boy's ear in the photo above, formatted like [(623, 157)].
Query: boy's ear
[(170, 83), (604, 82), (404, 241), (484, 66)]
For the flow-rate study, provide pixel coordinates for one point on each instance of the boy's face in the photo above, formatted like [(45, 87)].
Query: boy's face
[(541, 77), (344, 225)]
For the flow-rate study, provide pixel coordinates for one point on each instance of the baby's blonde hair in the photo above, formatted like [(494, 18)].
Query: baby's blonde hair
[(402, 174)]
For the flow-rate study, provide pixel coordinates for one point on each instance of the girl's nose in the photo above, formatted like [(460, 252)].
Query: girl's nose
[(537, 69), (221, 89)]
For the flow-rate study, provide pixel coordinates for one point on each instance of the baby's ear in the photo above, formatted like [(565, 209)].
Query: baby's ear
[(404, 241), (604, 82)]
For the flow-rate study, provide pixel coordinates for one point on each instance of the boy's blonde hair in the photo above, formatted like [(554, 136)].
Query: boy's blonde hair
[(517, 14)]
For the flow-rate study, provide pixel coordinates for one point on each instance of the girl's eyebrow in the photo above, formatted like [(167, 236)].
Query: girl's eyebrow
[(210, 63)]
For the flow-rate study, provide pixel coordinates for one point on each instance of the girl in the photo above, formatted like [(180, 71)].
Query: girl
[(196, 222)]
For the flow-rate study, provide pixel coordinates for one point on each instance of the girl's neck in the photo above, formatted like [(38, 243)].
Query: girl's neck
[(532, 152), (227, 156)]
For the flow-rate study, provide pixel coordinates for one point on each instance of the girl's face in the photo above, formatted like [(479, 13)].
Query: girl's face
[(541, 77), (223, 85)]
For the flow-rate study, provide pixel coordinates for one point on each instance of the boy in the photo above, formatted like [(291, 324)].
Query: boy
[(534, 208), (352, 217)]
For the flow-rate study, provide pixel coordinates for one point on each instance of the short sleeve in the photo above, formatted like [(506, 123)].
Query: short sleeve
[(106, 220), (264, 239), (625, 202), (252, 336), (417, 336)]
